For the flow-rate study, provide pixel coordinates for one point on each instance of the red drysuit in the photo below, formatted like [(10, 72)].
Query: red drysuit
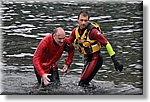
[(48, 53)]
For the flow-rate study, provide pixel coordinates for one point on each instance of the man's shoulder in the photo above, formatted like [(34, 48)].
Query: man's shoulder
[(74, 29), (95, 26), (95, 31), (48, 36)]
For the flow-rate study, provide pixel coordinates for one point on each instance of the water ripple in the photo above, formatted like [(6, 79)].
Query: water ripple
[(20, 55), (24, 23)]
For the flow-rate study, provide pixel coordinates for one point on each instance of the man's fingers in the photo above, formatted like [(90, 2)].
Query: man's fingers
[(65, 69), (47, 78), (49, 74), (46, 82), (61, 70)]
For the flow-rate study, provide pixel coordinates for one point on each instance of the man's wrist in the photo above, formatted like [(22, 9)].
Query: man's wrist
[(67, 65)]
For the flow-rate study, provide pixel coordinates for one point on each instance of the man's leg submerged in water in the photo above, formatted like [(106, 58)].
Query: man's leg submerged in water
[(92, 66), (53, 78)]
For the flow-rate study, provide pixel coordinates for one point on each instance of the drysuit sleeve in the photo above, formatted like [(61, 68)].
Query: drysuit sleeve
[(110, 49), (102, 40), (97, 35), (37, 57), (70, 49), (72, 36)]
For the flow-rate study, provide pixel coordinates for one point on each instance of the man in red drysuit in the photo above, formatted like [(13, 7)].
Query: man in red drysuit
[(48, 53), (89, 38)]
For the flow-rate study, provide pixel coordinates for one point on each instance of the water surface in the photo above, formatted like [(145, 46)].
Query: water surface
[(26, 23)]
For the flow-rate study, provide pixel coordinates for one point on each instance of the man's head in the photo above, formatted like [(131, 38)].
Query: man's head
[(83, 19), (59, 35)]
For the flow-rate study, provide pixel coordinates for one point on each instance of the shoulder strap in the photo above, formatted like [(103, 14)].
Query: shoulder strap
[(77, 35), (94, 25), (90, 27)]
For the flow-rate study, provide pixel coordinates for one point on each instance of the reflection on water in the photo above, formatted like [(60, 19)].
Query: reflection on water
[(25, 24)]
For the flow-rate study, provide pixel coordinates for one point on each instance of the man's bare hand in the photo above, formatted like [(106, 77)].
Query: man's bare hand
[(45, 78), (65, 68)]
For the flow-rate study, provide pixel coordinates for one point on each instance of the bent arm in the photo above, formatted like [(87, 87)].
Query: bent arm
[(37, 58), (102, 40), (70, 49), (72, 36)]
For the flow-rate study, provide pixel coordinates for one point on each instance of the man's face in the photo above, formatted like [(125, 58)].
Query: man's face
[(59, 38), (83, 21)]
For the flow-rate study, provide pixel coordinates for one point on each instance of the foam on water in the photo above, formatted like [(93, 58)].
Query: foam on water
[(20, 55)]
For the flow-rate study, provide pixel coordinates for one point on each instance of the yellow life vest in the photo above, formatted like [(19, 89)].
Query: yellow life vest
[(85, 44)]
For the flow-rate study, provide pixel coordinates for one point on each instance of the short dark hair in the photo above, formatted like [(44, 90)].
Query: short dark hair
[(54, 31), (84, 13)]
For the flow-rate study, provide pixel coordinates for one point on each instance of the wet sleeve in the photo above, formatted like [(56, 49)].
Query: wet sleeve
[(103, 41), (72, 36), (70, 49), (37, 57), (97, 35)]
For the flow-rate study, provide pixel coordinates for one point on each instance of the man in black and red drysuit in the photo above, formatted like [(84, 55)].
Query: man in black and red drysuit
[(89, 38), (48, 53)]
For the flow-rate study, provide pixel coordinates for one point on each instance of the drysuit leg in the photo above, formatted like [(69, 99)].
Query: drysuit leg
[(91, 68), (37, 76)]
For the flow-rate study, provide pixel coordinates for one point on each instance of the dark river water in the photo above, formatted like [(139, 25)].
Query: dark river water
[(26, 23)]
